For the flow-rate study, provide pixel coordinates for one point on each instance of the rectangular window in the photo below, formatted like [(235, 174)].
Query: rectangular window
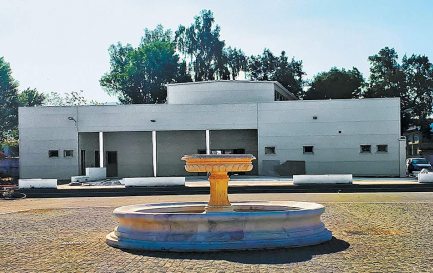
[(308, 149), (365, 148), (269, 150), (382, 148), (53, 153), (68, 153)]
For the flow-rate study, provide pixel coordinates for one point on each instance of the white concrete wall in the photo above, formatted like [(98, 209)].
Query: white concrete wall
[(167, 117), (47, 128), (218, 92), (290, 125)]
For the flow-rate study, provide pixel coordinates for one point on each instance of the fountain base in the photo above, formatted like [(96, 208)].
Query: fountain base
[(191, 227)]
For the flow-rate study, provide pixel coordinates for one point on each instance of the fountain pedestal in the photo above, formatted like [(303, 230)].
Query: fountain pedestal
[(219, 166), (219, 198)]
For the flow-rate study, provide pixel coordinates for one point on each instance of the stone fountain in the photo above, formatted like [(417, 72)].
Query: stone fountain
[(218, 224)]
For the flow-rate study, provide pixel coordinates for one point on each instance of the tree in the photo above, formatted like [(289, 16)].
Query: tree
[(139, 75), (290, 74), (31, 97), (236, 61), (336, 84), (262, 67), (268, 67), (418, 71), (8, 100), (73, 98), (200, 42), (53, 99), (411, 81)]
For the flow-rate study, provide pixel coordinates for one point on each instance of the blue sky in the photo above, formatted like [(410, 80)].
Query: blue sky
[(62, 45)]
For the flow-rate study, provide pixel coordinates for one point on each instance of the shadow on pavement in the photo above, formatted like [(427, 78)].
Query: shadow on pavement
[(276, 256)]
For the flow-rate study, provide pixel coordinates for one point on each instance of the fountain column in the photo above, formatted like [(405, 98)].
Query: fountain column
[(219, 199)]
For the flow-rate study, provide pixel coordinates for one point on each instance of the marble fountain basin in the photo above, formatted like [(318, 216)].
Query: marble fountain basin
[(189, 227)]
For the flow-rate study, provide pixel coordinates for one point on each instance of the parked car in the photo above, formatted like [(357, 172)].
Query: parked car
[(417, 164)]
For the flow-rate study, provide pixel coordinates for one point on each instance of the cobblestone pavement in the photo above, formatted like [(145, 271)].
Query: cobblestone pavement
[(373, 233)]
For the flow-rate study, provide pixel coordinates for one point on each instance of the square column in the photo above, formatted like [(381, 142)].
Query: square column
[(207, 142), (101, 149), (154, 162)]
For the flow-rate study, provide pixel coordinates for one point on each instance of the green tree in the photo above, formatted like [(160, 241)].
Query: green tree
[(290, 74), (412, 81), (73, 98), (8, 100), (268, 67), (418, 71), (387, 79), (336, 84), (139, 75), (236, 61), (262, 67), (201, 44), (31, 97)]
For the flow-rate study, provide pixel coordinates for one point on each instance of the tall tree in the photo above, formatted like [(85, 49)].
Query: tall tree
[(262, 67), (8, 100), (336, 84), (139, 75), (418, 71), (268, 67), (290, 74), (236, 61), (201, 44), (30, 97), (411, 81)]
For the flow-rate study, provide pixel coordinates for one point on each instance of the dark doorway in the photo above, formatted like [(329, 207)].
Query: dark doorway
[(111, 163), (97, 159), (83, 162)]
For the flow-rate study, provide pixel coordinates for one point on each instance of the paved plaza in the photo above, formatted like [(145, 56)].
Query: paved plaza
[(373, 232)]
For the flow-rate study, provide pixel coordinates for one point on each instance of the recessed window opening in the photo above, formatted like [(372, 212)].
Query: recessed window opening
[(382, 148), (53, 153), (68, 153), (365, 148), (269, 150), (308, 149)]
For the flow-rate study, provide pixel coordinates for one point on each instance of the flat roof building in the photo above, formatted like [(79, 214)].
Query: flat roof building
[(286, 135)]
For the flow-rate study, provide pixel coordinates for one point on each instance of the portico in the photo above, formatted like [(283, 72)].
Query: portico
[(157, 153)]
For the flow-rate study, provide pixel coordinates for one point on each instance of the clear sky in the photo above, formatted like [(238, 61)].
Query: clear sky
[(61, 46)]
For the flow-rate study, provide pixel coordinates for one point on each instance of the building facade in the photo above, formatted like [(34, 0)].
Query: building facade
[(286, 135)]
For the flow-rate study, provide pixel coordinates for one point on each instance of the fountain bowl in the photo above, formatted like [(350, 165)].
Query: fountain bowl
[(188, 227)]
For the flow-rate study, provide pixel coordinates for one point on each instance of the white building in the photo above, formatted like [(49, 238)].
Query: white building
[(359, 136)]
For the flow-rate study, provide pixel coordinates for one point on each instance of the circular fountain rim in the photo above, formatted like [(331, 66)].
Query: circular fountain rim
[(287, 207)]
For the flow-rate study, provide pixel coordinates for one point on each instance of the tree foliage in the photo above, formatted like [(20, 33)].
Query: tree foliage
[(412, 81), (201, 44), (268, 67), (236, 61), (139, 75), (336, 84), (30, 97), (418, 72), (74, 98), (8, 100)]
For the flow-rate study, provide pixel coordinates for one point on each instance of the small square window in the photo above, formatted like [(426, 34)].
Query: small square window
[(269, 150), (382, 148), (365, 148), (308, 149), (68, 153), (53, 153)]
